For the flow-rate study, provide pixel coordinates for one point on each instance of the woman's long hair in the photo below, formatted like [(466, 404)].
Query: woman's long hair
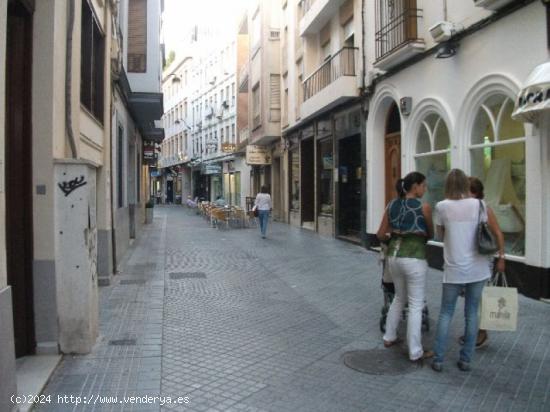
[(457, 185), (402, 186)]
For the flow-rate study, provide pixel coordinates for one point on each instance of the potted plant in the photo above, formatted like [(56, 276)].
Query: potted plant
[(149, 211)]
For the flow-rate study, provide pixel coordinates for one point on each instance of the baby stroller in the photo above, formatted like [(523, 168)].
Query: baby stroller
[(388, 290)]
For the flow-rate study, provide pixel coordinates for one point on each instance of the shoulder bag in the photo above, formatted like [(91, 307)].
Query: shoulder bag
[(486, 242)]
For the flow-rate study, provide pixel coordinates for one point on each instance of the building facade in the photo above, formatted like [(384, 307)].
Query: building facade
[(443, 79), (57, 76), (323, 117)]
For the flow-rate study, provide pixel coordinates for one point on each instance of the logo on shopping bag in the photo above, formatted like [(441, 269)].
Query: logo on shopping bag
[(501, 312)]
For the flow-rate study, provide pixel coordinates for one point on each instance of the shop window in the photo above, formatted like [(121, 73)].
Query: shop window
[(498, 158), (432, 156), (294, 180), (325, 177)]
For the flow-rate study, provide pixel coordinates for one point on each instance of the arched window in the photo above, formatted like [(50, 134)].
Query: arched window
[(432, 156), (497, 149)]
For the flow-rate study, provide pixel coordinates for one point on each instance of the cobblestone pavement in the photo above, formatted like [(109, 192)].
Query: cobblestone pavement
[(237, 323)]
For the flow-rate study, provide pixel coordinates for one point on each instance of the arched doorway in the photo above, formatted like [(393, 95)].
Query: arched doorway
[(392, 151)]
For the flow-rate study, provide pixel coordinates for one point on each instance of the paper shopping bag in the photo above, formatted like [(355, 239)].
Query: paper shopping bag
[(499, 308)]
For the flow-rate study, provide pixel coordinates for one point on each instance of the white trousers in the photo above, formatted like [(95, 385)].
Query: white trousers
[(409, 279)]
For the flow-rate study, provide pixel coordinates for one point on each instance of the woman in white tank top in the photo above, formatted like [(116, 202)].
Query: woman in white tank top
[(456, 220)]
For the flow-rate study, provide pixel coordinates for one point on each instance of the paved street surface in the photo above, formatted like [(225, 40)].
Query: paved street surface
[(237, 323)]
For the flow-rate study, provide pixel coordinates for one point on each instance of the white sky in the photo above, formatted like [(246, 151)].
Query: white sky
[(181, 15)]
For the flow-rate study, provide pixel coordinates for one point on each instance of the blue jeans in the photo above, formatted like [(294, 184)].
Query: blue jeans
[(263, 215), (471, 305)]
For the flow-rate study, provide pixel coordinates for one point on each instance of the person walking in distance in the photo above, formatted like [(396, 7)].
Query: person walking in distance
[(263, 204), (457, 219), (407, 224)]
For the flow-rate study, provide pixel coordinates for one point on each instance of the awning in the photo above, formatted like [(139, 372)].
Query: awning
[(534, 96)]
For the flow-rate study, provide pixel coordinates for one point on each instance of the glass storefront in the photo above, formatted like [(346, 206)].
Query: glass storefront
[(232, 188), (326, 166), (433, 156), (294, 180), (498, 158)]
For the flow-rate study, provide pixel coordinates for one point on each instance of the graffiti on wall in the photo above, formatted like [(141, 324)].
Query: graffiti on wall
[(71, 185)]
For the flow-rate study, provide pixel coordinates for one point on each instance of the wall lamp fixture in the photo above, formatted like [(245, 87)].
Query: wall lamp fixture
[(446, 50)]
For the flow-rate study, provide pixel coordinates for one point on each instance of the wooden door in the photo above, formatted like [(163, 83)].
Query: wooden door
[(18, 152), (393, 163)]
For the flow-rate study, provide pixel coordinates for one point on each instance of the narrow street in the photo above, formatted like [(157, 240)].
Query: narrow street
[(237, 323)]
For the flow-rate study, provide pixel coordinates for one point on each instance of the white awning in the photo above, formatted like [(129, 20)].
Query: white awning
[(535, 95)]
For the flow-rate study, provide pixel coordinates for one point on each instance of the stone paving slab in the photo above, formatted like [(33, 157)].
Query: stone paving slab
[(266, 328)]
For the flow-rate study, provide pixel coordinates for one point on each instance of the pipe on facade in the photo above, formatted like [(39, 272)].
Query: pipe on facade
[(68, 81)]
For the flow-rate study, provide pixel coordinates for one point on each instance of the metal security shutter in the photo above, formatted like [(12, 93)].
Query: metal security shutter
[(137, 36)]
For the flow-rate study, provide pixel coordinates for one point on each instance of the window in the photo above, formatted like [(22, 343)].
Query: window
[(232, 94), (120, 166), (233, 133), (275, 98), (91, 64), (137, 36), (432, 156), (325, 177), (227, 132), (256, 118), (221, 135), (294, 180), (256, 32), (497, 153)]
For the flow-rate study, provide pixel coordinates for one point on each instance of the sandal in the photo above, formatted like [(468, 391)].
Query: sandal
[(389, 344)]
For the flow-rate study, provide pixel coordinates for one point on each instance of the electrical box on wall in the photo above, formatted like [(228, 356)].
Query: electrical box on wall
[(405, 105)]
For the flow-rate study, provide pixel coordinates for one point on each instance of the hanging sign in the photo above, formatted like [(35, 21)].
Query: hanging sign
[(228, 147), (258, 155), (149, 154)]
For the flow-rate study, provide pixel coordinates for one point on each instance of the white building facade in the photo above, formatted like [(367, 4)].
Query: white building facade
[(443, 79)]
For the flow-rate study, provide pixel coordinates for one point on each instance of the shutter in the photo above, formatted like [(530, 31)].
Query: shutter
[(346, 12), (275, 91), (137, 36)]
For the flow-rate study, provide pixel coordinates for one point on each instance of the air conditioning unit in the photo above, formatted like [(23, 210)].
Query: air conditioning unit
[(492, 4), (442, 31)]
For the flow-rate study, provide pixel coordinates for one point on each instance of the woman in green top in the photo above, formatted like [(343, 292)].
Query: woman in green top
[(407, 224)]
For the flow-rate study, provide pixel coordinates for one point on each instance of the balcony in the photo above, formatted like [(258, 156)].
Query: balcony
[(397, 37), (331, 84), (316, 13)]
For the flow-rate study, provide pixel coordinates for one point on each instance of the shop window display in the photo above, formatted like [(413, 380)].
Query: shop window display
[(433, 156), (325, 177), (294, 180), (498, 159)]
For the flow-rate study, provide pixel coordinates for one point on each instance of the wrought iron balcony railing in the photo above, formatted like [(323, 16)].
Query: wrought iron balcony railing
[(341, 64), (396, 25)]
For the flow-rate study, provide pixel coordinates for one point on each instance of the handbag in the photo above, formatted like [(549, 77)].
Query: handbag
[(255, 211), (499, 306), (486, 242)]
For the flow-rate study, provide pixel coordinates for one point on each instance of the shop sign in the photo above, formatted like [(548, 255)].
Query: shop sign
[(211, 169), (149, 153), (258, 155), (156, 173), (535, 96), (228, 147)]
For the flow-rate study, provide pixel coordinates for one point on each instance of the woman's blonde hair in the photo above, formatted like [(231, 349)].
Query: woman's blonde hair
[(457, 185)]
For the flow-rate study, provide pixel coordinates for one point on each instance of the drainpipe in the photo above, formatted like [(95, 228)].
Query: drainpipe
[(68, 81)]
